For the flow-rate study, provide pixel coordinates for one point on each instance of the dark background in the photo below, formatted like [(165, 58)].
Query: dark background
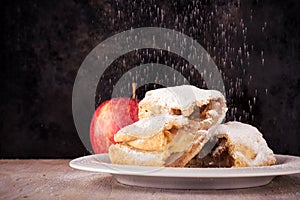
[(255, 44)]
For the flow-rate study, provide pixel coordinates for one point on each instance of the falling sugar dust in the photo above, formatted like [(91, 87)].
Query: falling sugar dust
[(221, 27)]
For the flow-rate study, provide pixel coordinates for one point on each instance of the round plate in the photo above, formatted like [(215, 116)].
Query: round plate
[(189, 178)]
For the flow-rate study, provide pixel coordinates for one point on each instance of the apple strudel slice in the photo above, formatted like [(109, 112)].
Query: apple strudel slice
[(236, 145), (208, 107), (163, 140)]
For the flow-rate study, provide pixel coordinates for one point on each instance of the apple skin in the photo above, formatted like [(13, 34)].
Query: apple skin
[(108, 119)]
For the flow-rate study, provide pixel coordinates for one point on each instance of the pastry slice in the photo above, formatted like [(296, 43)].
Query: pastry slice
[(205, 106), (236, 145), (163, 140)]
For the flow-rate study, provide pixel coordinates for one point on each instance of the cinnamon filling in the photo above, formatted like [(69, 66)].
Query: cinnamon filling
[(176, 111), (217, 157), (207, 114), (200, 112)]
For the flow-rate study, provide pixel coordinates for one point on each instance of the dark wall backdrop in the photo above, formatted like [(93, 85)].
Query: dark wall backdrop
[(255, 44)]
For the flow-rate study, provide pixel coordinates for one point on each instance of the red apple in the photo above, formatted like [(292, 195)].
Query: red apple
[(108, 119)]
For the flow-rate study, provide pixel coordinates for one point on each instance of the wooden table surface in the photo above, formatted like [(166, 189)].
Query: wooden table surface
[(54, 179)]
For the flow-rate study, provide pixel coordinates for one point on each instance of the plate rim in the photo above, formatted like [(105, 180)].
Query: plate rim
[(285, 168)]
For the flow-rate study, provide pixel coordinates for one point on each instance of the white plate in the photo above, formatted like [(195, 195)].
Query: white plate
[(189, 178)]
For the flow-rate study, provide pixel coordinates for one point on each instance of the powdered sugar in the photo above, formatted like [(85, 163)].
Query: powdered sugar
[(149, 127)]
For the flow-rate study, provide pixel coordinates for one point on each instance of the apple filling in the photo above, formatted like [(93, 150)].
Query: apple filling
[(172, 141), (219, 156), (207, 114), (157, 142), (175, 139)]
